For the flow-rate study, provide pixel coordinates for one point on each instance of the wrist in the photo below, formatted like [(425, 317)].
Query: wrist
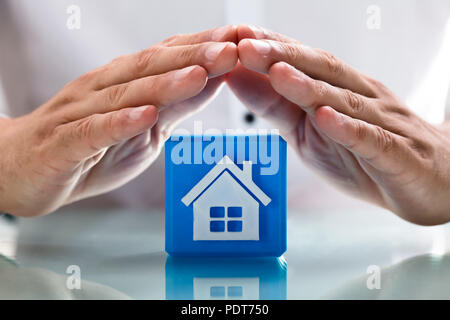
[(5, 164)]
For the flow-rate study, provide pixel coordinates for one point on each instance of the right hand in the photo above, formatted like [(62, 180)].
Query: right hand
[(108, 126), (347, 126)]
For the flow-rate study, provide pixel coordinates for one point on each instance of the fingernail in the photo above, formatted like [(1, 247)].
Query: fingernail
[(219, 33), (136, 113), (182, 73), (263, 47), (213, 50)]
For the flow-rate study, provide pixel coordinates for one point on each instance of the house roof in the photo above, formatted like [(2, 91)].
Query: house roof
[(225, 164)]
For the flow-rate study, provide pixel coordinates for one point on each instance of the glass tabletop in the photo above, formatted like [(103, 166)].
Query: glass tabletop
[(363, 253)]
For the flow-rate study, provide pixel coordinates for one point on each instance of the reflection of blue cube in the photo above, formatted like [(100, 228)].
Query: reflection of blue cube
[(225, 278), (226, 195)]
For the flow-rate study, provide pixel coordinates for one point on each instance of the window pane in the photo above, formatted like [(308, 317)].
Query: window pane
[(234, 226), (217, 291), (235, 291), (217, 226), (217, 212), (234, 212)]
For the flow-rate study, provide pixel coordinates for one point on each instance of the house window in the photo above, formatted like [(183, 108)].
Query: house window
[(226, 292), (235, 291), (217, 212), (217, 292), (217, 226), (225, 219), (235, 212)]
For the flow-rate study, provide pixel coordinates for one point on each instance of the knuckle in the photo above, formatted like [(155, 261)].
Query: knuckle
[(110, 126), (384, 140), (87, 77), (85, 82), (171, 39), (145, 58), (155, 88), (113, 64), (83, 131), (353, 101), (155, 85), (360, 131), (293, 53), (335, 67), (377, 88), (397, 110), (64, 98), (185, 54), (422, 149), (318, 91), (115, 94), (116, 61)]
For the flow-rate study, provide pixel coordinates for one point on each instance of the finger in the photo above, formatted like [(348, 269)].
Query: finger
[(311, 94), (256, 92), (170, 117), (382, 149), (221, 34), (260, 55), (245, 31), (160, 91), (86, 137), (216, 57)]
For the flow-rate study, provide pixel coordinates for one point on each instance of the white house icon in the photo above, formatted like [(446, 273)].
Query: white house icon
[(225, 203)]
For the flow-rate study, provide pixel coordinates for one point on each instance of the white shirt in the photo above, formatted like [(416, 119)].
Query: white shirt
[(403, 43)]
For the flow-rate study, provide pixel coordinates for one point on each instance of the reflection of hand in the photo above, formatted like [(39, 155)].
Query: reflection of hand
[(106, 127), (30, 283), (346, 125), (421, 277)]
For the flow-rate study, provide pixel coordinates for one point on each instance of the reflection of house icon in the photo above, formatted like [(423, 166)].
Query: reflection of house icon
[(225, 203), (225, 278)]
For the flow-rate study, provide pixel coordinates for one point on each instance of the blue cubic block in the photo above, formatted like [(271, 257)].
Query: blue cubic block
[(226, 195)]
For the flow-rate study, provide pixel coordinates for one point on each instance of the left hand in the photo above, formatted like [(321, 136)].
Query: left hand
[(346, 125), (106, 127)]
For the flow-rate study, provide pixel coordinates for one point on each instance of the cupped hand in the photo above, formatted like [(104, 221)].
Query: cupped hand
[(106, 127), (347, 126)]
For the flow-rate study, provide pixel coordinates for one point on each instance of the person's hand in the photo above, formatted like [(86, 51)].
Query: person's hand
[(106, 127), (346, 125)]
